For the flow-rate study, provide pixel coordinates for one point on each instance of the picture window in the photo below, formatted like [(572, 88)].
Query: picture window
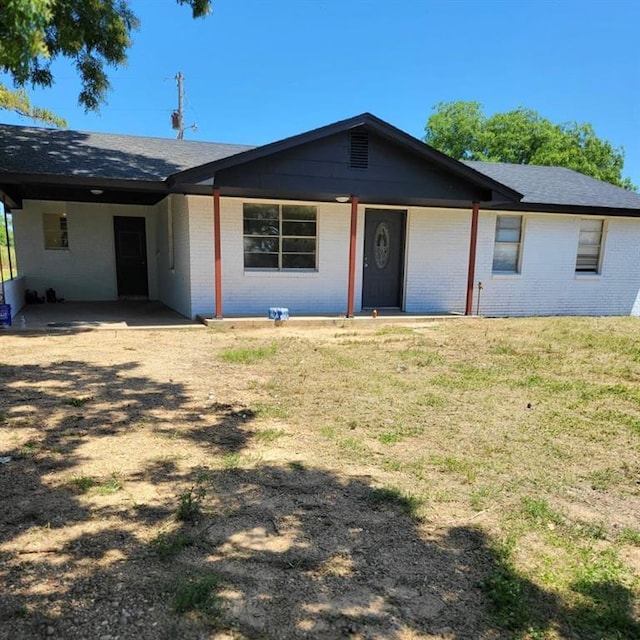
[(279, 237)]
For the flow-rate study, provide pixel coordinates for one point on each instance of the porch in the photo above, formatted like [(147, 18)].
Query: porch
[(83, 316)]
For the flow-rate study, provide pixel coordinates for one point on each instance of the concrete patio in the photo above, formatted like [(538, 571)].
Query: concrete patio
[(82, 316)]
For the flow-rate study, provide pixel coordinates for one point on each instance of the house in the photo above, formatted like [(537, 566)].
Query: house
[(352, 216)]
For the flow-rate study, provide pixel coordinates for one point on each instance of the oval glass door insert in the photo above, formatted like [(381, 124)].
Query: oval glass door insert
[(381, 245)]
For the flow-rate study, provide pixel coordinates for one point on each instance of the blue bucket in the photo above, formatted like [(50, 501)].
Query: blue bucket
[(5, 315), (278, 313)]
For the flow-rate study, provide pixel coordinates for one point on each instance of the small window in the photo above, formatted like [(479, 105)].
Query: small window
[(279, 236), (55, 231), (506, 251), (589, 246)]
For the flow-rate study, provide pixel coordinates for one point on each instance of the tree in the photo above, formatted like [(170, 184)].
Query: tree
[(522, 136), (92, 34)]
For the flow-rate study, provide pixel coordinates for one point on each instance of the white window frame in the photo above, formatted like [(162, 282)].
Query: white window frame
[(500, 243), (281, 237), (55, 229), (583, 241)]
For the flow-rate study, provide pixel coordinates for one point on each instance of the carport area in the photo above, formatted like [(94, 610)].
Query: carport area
[(129, 314)]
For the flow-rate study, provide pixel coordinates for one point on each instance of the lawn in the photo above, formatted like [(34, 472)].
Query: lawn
[(469, 478)]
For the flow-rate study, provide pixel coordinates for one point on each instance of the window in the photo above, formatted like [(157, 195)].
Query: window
[(506, 252), (588, 259), (279, 236), (55, 231)]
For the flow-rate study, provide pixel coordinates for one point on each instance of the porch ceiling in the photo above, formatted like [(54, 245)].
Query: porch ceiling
[(19, 187)]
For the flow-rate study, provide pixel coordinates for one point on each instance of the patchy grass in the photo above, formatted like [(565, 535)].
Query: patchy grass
[(197, 594), (248, 355), (169, 544), (269, 435), (390, 497), (190, 503), (78, 401), (505, 450), (82, 484), (110, 485)]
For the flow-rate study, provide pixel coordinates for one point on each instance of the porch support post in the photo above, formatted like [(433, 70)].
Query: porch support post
[(473, 241), (352, 257), (217, 252)]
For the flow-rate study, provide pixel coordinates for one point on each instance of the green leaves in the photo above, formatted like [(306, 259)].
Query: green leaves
[(19, 102), (93, 34), (522, 136)]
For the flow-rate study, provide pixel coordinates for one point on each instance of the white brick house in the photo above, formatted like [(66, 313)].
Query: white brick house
[(352, 216)]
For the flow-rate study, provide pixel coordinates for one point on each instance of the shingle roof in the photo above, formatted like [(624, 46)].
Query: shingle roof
[(61, 152), (102, 155), (557, 186)]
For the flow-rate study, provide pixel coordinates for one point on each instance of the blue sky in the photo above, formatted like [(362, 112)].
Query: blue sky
[(260, 70)]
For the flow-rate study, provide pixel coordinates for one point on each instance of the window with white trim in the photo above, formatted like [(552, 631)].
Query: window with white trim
[(589, 245), (55, 230), (279, 236), (506, 250)]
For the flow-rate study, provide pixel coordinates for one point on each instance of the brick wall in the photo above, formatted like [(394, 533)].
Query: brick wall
[(87, 269), (436, 261), (174, 287), (547, 283)]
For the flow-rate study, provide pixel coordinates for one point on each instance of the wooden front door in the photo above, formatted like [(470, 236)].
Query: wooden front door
[(131, 256), (384, 231)]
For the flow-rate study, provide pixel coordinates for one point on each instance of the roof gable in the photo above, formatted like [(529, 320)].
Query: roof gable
[(403, 142), (380, 172)]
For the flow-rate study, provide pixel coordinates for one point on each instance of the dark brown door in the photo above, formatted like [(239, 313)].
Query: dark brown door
[(384, 231), (131, 256)]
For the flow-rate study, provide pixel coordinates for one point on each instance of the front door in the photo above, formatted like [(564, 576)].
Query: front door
[(383, 258), (131, 256)]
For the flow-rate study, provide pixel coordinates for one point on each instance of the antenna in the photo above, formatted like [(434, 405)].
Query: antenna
[(177, 117)]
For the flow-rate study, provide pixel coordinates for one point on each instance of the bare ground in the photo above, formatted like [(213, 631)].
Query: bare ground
[(109, 432)]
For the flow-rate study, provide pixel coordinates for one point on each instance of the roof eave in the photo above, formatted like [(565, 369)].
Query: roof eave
[(538, 207)]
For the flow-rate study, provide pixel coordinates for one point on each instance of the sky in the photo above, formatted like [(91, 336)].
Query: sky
[(256, 71)]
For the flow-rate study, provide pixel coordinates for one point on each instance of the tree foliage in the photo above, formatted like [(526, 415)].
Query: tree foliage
[(522, 136), (93, 34)]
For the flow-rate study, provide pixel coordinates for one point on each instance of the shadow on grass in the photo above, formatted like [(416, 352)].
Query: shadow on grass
[(275, 552)]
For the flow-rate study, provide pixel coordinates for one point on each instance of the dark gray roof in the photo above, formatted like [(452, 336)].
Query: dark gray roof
[(557, 186), (61, 152), (102, 155)]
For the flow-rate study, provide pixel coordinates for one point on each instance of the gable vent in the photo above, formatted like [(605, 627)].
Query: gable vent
[(359, 150)]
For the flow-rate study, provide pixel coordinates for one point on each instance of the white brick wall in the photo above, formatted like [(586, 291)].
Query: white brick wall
[(547, 283), (437, 260), (86, 271), (174, 288), (322, 291), (202, 257)]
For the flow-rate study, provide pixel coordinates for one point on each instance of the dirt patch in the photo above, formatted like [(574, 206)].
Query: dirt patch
[(290, 528)]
